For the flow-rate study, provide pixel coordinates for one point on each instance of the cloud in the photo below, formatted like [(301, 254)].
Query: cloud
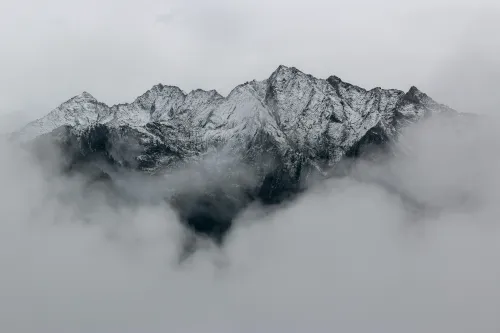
[(410, 245), (348, 256)]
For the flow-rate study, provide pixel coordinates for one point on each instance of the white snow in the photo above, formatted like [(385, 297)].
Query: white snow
[(297, 109)]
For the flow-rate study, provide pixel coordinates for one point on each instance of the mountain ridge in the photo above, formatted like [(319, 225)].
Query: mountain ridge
[(281, 130), (182, 95)]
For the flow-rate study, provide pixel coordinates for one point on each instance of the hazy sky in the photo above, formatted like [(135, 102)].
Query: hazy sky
[(117, 49)]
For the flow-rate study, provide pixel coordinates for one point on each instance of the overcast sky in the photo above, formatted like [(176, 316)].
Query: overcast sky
[(117, 49)]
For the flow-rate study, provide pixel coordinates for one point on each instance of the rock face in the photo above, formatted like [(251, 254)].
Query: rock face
[(269, 136)]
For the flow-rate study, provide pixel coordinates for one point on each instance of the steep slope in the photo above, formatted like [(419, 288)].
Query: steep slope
[(280, 130)]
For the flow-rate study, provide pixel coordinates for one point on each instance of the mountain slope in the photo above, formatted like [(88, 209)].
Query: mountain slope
[(280, 131)]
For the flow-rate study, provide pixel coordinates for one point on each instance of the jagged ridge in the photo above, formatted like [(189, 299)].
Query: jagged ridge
[(282, 128)]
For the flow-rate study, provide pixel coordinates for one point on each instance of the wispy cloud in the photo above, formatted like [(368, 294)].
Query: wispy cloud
[(348, 256)]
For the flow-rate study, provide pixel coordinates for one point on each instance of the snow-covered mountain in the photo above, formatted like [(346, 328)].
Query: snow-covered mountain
[(282, 129), (320, 119)]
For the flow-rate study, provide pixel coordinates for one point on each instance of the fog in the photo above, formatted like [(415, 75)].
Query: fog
[(349, 256)]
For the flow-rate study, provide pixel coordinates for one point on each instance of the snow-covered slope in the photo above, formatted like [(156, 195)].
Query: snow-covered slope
[(281, 130), (321, 119)]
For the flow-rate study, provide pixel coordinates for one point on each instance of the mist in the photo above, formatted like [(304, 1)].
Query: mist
[(409, 245)]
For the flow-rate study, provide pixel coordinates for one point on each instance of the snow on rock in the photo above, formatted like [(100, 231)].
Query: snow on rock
[(79, 112), (279, 131), (318, 119)]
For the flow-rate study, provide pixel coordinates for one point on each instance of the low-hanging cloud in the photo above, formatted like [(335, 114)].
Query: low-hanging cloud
[(351, 255)]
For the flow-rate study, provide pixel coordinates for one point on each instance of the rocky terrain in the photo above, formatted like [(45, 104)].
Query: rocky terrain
[(263, 142)]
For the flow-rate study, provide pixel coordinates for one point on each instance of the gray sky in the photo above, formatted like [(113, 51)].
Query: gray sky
[(117, 49)]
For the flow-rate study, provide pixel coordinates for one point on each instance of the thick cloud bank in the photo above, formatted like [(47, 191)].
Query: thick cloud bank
[(411, 245)]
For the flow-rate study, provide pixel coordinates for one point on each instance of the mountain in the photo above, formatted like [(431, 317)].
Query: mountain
[(263, 140)]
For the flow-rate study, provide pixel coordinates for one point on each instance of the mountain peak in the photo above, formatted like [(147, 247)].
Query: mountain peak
[(334, 79), (283, 129), (284, 73), (282, 69), (415, 95), (82, 98), (165, 89), (414, 90), (85, 95), (289, 97)]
